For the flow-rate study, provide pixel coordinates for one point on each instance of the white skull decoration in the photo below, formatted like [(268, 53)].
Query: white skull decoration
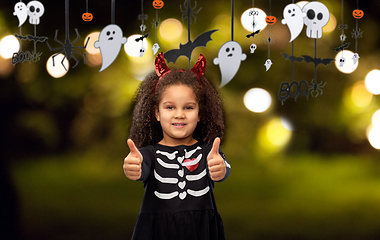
[(142, 51), (253, 47), (317, 16), (35, 11), (342, 60)]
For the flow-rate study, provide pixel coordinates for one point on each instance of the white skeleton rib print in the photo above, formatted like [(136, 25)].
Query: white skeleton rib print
[(179, 183)]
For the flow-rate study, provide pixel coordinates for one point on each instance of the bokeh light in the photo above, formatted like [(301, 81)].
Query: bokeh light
[(274, 136), (331, 25), (132, 47), (360, 96), (9, 45), (171, 29), (349, 66), (372, 82), (374, 137), (246, 19), (376, 119), (57, 70), (90, 46), (286, 123), (257, 100)]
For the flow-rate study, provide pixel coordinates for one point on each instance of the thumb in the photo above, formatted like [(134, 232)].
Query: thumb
[(215, 147), (133, 147)]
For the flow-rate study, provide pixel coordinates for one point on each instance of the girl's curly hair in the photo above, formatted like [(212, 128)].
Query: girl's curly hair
[(146, 130)]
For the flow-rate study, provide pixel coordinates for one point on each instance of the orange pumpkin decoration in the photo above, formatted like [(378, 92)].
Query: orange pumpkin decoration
[(357, 13), (87, 17), (158, 4), (270, 20)]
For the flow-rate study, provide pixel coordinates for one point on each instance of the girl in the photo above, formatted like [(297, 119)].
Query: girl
[(174, 140)]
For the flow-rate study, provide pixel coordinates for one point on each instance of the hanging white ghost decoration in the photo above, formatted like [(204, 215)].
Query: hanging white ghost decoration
[(317, 16)]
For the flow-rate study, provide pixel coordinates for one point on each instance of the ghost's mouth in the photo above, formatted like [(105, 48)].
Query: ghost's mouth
[(229, 55), (111, 38), (292, 15)]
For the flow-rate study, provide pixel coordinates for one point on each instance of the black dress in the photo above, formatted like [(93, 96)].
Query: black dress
[(179, 201)]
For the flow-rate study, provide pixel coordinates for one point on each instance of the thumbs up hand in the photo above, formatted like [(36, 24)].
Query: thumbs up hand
[(132, 163), (215, 162)]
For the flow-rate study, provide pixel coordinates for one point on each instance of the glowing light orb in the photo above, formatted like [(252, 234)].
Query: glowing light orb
[(246, 19), (349, 66), (376, 119), (132, 48), (58, 70), (360, 96), (90, 46), (374, 137), (257, 100), (372, 82), (9, 45), (170, 29)]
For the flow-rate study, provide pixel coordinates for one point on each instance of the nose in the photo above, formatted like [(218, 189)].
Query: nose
[(179, 114)]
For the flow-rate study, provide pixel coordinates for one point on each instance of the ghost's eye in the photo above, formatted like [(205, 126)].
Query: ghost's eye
[(108, 33), (113, 32), (233, 49), (289, 11), (227, 49), (294, 9)]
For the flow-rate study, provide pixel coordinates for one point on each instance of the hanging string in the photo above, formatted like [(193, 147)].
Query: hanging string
[(357, 30), (113, 12), (86, 6), (269, 38), (232, 19), (293, 55)]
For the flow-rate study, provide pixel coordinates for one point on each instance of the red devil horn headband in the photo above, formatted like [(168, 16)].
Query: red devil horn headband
[(162, 69)]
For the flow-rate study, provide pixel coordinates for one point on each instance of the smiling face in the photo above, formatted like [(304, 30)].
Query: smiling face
[(178, 114)]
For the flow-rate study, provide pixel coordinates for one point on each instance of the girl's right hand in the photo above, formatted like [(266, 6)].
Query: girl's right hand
[(132, 163)]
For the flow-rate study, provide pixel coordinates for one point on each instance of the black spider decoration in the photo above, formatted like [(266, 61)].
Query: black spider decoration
[(68, 47), (188, 11)]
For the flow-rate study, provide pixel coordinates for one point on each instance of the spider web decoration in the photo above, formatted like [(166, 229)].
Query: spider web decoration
[(110, 41), (189, 13), (342, 37), (142, 17), (156, 23), (230, 55), (357, 32), (254, 13), (68, 47), (34, 10)]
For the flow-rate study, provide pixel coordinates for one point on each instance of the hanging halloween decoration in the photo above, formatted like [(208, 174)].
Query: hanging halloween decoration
[(253, 13), (357, 32), (142, 17), (270, 20), (110, 41), (87, 17), (34, 10), (68, 47), (342, 60), (315, 16), (293, 18), (200, 41), (158, 4), (156, 23), (230, 55)]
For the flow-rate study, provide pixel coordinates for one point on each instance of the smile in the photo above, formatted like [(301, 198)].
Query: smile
[(179, 125), (111, 38)]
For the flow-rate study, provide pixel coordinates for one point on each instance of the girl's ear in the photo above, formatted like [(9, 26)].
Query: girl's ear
[(156, 113)]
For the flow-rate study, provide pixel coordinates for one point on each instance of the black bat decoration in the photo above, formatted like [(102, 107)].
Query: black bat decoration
[(317, 61), (142, 37), (36, 39), (20, 37), (292, 58), (187, 49), (341, 48), (253, 34)]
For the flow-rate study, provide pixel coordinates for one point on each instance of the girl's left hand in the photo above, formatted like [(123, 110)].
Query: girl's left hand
[(215, 162)]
